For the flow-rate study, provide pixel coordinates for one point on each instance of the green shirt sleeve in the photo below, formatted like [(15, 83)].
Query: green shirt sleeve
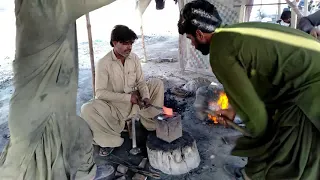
[(240, 91)]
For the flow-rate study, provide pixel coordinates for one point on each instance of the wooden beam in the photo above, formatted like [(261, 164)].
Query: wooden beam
[(91, 53)]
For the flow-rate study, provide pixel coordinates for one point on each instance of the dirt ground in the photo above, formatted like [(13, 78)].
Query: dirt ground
[(213, 151)]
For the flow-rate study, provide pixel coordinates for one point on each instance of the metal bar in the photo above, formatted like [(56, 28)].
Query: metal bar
[(260, 4), (91, 53)]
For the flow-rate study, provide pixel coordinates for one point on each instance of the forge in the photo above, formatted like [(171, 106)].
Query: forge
[(170, 149)]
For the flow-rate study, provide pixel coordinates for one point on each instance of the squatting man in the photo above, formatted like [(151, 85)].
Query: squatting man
[(271, 75), (120, 89)]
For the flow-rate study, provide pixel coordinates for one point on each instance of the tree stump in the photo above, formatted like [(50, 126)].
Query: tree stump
[(175, 158)]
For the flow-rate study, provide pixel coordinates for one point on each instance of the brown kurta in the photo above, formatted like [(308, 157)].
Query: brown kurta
[(107, 113)]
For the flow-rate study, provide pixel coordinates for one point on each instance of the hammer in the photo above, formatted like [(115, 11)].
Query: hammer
[(135, 150)]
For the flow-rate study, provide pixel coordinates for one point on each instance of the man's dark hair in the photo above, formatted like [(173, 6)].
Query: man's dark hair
[(285, 15), (198, 14), (122, 34)]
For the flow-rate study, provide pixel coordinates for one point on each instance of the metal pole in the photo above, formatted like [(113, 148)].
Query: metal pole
[(305, 8), (242, 13), (279, 9), (270, 4), (91, 53), (294, 17)]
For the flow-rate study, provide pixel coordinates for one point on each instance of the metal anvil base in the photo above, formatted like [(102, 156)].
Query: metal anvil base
[(168, 128)]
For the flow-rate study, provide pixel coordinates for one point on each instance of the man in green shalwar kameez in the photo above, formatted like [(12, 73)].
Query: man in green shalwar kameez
[(271, 75)]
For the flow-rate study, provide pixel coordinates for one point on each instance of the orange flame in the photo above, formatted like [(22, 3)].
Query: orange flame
[(222, 103), (167, 111)]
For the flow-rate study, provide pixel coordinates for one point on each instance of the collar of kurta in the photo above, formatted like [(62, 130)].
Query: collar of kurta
[(114, 57)]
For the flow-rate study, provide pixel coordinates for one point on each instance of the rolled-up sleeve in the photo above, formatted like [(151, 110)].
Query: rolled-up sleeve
[(101, 89)]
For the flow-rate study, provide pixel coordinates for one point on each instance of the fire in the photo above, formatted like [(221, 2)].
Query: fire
[(222, 103), (167, 111)]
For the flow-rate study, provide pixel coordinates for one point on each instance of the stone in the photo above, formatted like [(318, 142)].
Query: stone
[(122, 169), (138, 176)]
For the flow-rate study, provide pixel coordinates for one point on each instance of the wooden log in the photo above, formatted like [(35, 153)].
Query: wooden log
[(178, 157)]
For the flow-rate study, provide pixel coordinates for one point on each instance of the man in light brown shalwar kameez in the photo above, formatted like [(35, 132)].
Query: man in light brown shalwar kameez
[(120, 85)]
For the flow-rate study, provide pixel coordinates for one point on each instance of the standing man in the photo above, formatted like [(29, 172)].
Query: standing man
[(271, 75), (120, 86)]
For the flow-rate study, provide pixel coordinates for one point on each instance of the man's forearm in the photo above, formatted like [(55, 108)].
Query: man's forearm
[(112, 96), (143, 90)]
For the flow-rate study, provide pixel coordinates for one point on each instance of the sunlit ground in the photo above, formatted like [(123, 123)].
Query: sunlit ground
[(155, 22)]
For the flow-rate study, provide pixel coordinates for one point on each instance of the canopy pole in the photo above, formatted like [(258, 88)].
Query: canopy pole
[(242, 13), (279, 9), (142, 40), (306, 8), (91, 53)]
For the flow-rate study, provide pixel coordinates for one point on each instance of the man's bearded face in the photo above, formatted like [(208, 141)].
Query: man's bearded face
[(123, 48), (202, 47)]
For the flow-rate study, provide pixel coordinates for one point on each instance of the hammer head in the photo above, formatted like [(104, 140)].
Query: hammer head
[(135, 151)]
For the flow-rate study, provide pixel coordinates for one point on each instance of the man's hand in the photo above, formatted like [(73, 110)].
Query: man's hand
[(225, 114), (146, 102), (315, 32), (134, 97)]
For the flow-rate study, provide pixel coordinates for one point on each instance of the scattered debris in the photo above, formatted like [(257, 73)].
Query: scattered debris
[(122, 169), (224, 140), (117, 174), (138, 176)]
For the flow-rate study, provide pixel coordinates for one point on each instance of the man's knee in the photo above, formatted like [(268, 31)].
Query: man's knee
[(156, 82), (86, 110)]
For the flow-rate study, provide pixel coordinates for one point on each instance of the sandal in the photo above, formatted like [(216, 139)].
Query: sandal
[(105, 151)]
